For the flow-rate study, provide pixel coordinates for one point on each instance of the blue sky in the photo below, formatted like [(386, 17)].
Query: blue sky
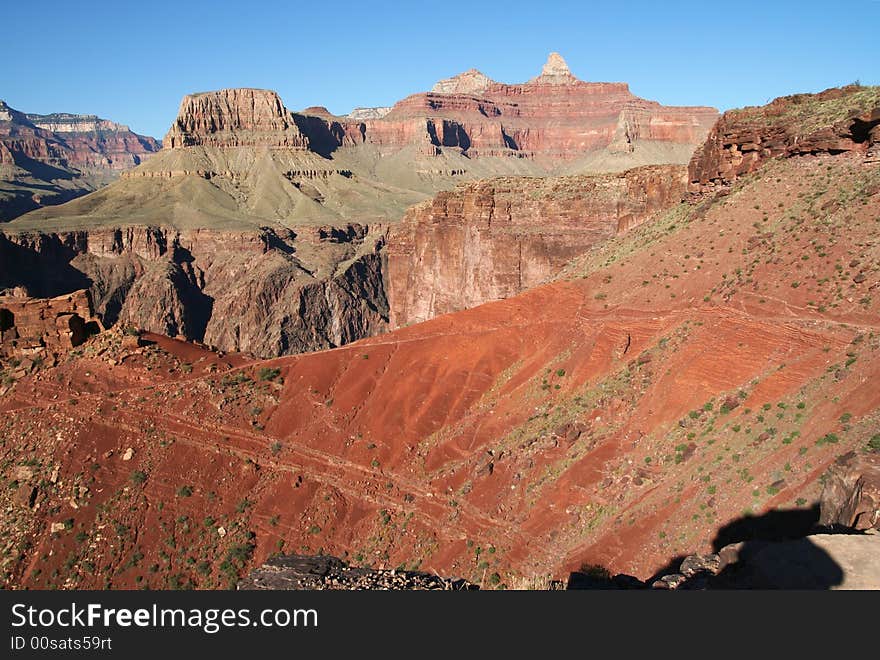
[(133, 61)]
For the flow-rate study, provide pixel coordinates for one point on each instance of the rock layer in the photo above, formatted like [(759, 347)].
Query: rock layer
[(51, 159), (493, 239), (851, 494), (34, 328), (554, 117), (834, 121), (238, 291)]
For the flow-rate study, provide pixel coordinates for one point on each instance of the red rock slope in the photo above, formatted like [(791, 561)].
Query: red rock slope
[(712, 362)]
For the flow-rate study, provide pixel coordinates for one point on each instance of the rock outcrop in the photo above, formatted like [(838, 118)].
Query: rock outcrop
[(233, 118), (368, 113), (834, 121), (555, 72), (493, 239), (36, 328), (469, 82), (851, 494)]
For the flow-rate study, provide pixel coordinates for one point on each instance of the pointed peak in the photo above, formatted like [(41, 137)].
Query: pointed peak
[(469, 82), (555, 72), (555, 66)]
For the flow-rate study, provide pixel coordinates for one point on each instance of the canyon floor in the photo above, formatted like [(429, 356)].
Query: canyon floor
[(704, 367)]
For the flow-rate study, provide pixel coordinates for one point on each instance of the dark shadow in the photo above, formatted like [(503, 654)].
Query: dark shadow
[(41, 264), (770, 551), (275, 242), (509, 142), (778, 525), (324, 136), (671, 566), (593, 578), (860, 129), (41, 170), (792, 564), (7, 319), (197, 306)]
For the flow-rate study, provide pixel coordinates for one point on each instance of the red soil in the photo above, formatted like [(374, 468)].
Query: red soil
[(586, 421)]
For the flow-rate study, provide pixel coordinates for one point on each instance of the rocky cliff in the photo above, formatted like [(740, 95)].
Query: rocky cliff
[(233, 118), (97, 143), (263, 293), (493, 239), (555, 117), (35, 329), (834, 121), (51, 159)]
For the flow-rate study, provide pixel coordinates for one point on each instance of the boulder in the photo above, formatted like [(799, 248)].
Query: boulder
[(851, 494)]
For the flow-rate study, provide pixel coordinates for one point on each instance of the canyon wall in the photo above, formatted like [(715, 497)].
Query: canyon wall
[(238, 291), (51, 159), (554, 117), (493, 239)]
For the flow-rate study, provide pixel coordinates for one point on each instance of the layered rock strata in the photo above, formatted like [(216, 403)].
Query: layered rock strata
[(493, 239), (834, 121), (263, 293)]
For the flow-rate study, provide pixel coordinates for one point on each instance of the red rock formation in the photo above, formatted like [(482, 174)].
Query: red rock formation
[(20, 139), (851, 494), (97, 143), (554, 117), (833, 121), (50, 159), (493, 239), (234, 117), (36, 327)]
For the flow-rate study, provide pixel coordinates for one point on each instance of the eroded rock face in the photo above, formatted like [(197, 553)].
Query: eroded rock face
[(238, 291), (834, 121), (493, 239), (38, 327), (851, 494), (234, 117), (98, 143), (51, 159), (554, 117)]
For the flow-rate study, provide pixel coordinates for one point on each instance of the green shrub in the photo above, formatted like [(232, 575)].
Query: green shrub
[(269, 373)]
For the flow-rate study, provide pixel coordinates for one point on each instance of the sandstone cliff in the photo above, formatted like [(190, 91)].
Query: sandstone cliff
[(554, 118), (493, 239), (232, 118), (834, 121)]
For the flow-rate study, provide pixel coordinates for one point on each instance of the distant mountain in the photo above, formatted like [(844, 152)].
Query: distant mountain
[(50, 159)]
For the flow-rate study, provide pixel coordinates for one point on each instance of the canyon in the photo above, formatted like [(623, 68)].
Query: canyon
[(272, 232), (51, 159), (677, 386)]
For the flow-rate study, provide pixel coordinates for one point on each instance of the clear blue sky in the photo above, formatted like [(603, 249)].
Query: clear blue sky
[(133, 61)]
